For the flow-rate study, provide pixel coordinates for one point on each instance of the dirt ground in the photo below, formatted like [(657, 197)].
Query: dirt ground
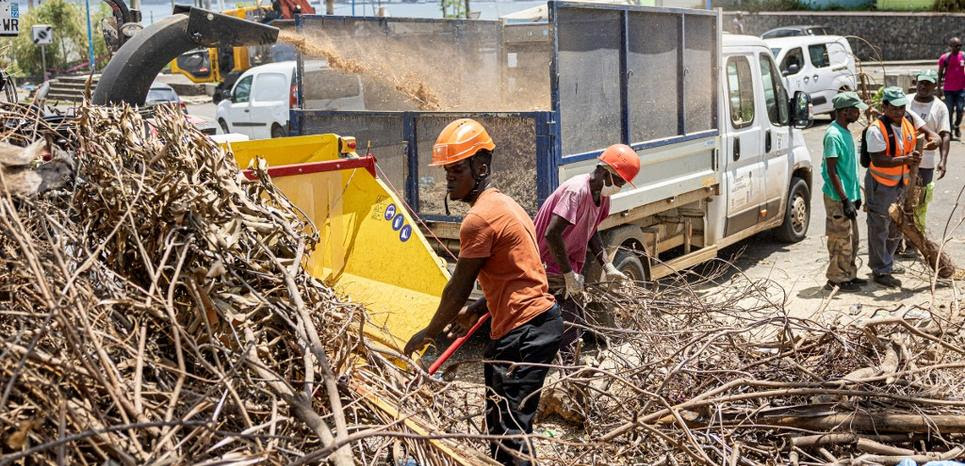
[(800, 268)]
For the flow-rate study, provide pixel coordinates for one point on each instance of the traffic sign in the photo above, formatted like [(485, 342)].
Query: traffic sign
[(42, 34), (9, 18)]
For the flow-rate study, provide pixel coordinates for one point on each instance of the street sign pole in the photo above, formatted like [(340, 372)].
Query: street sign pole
[(43, 60), (42, 34)]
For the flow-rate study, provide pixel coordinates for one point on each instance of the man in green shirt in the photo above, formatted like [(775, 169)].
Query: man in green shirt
[(842, 193)]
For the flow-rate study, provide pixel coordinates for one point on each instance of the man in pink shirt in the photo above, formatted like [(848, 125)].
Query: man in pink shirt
[(951, 76), (566, 225)]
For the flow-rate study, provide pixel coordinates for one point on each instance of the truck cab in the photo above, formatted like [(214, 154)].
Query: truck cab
[(767, 165)]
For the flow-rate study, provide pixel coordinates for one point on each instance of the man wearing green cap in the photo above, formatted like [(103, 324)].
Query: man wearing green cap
[(924, 104), (890, 142), (842, 193)]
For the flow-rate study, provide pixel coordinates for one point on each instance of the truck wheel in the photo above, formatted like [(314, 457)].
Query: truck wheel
[(278, 131), (224, 126), (630, 264), (797, 216)]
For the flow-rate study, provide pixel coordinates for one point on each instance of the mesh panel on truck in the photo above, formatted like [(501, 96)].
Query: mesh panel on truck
[(653, 74), (384, 132), (514, 162), (589, 83), (700, 77)]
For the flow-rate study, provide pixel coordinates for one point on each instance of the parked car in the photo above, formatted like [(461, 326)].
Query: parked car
[(161, 94), (793, 31), (259, 103), (819, 65)]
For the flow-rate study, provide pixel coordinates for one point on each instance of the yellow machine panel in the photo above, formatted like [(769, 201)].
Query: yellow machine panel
[(370, 249)]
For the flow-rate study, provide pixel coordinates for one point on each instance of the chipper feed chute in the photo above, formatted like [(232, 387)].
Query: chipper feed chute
[(370, 249), (129, 74)]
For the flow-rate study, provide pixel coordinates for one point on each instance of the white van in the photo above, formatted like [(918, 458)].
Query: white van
[(259, 103), (822, 66)]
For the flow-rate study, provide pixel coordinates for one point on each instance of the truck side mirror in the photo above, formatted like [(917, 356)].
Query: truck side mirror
[(793, 68), (217, 97), (800, 110)]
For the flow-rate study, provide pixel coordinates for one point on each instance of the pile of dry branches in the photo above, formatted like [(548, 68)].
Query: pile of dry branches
[(153, 309), (730, 378)]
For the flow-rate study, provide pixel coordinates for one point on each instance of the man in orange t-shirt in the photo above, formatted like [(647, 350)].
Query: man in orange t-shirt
[(498, 245)]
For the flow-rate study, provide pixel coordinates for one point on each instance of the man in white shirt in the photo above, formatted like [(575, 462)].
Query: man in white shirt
[(887, 177), (924, 104)]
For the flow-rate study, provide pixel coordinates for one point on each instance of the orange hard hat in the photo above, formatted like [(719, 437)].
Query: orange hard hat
[(623, 160), (460, 140)]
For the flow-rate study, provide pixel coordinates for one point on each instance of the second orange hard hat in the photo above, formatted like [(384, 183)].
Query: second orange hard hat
[(623, 160)]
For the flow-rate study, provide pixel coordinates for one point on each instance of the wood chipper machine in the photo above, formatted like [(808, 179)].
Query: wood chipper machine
[(370, 251)]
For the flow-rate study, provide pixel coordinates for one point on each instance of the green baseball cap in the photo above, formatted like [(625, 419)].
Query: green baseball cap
[(894, 96), (847, 100), (927, 75)]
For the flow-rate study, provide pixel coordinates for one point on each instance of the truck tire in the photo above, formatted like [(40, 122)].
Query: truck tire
[(224, 126), (630, 264), (277, 131), (797, 215)]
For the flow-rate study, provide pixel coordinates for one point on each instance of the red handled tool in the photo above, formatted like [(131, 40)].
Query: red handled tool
[(458, 342)]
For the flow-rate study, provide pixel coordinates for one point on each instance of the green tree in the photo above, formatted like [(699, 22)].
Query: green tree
[(102, 13), (454, 8), (70, 37)]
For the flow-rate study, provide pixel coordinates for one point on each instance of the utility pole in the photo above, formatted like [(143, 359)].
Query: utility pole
[(90, 38)]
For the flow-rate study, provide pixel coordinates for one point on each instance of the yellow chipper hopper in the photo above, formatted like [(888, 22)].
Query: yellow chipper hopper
[(370, 250)]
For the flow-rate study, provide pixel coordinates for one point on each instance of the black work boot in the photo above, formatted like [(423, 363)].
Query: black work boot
[(848, 286), (886, 280)]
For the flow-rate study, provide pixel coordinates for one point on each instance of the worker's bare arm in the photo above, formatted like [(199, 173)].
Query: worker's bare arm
[(554, 238), (932, 138), (598, 250), (882, 160), (454, 296)]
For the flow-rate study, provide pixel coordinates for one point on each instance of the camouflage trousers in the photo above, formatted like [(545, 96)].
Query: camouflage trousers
[(842, 242)]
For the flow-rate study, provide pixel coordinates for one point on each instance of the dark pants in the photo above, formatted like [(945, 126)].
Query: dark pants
[(955, 101), (573, 322), (574, 319), (883, 234), (513, 396), (926, 175)]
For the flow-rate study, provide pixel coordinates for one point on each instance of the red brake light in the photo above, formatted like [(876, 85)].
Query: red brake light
[(293, 97)]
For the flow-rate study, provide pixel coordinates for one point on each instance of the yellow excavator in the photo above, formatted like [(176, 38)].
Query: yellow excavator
[(223, 65)]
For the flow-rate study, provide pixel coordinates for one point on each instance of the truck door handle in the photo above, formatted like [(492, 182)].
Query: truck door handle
[(815, 77), (767, 141), (247, 110), (806, 79), (737, 149)]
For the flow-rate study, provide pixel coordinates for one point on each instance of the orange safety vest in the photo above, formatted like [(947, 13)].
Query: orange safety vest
[(891, 176)]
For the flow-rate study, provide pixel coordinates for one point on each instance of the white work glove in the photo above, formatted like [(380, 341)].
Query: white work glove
[(611, 274), (574, 283)]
